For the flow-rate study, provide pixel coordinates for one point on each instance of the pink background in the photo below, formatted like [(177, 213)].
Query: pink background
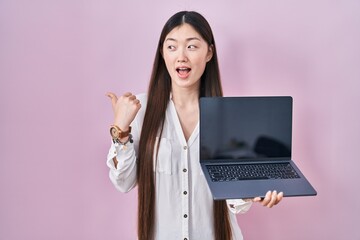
[(59, 58)]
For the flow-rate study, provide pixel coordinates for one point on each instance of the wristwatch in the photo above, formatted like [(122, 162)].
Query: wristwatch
[(116, 133)]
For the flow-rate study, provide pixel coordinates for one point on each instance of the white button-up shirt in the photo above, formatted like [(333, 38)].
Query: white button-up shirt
[(184, 204)]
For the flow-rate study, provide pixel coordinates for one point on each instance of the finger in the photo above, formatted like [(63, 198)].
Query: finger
[(266, 199), (279, 197), (132, 97), (273, 199), (127, 94), (257, 199), (111, 95), (113, 98)]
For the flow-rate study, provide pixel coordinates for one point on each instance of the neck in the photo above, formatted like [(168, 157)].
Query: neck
[(185, 97)]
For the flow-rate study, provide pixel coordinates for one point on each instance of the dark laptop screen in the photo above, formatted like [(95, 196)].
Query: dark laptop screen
[(249, 128)]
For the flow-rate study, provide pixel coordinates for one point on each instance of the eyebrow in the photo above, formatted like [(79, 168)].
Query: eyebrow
[(188, 39)]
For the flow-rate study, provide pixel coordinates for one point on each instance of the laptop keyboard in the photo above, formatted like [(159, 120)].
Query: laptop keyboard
[(237, 172)]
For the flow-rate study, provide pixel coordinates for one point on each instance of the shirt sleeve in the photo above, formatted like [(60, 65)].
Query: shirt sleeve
[(239, 205), (124, 176)]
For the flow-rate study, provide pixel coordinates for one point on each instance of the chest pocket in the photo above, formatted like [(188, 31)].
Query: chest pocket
[(162, 164)]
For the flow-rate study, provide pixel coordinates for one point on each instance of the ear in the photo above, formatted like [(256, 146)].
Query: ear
[(210, 53)]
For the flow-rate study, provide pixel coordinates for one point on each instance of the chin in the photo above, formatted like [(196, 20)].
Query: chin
[(185, 83)]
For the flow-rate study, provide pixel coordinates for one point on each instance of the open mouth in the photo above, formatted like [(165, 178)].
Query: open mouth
[(183, 71)]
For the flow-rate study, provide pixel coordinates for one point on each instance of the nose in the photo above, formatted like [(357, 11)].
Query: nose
[(182, 56)]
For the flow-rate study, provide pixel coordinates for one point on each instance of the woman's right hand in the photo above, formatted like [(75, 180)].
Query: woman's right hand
[(125, 109)]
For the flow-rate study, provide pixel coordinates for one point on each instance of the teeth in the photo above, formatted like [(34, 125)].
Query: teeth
[(183, 69)]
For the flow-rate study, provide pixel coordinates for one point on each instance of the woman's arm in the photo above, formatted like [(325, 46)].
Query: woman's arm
[(121, 158)]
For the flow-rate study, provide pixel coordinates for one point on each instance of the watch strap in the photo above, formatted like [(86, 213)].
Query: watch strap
[(118, 132)]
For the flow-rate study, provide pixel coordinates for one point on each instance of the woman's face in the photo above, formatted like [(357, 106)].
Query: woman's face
[(185, 54)]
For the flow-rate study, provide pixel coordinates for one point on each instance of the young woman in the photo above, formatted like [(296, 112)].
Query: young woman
[(156, 140)]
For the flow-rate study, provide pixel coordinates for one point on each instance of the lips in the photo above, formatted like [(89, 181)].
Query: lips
[(183, 72)]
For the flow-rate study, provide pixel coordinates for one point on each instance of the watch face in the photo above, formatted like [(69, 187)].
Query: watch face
[(114, 132)]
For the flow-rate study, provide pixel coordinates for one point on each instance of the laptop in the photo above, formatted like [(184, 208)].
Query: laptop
[(245, 147)]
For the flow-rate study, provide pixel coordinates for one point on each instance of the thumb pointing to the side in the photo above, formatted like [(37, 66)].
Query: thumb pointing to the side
[(113, 99)]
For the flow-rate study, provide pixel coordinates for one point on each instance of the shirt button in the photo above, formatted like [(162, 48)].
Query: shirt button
[(114, 152), (185, 239), (184, 170), (185, 192), (185, 216), (185, 147)]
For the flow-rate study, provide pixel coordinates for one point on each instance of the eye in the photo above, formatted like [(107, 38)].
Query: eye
[(192, 47), (171, 47)]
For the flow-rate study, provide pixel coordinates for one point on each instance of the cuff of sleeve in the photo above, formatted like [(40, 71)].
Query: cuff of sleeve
[(116, 150), (238, 205)]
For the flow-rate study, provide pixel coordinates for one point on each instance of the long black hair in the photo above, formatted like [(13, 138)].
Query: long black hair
[(158, 98)]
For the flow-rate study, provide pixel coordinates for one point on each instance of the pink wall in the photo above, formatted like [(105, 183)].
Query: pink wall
[(58, 58)]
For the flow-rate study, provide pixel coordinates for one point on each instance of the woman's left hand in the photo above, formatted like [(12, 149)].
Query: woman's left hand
[(270, 199)]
